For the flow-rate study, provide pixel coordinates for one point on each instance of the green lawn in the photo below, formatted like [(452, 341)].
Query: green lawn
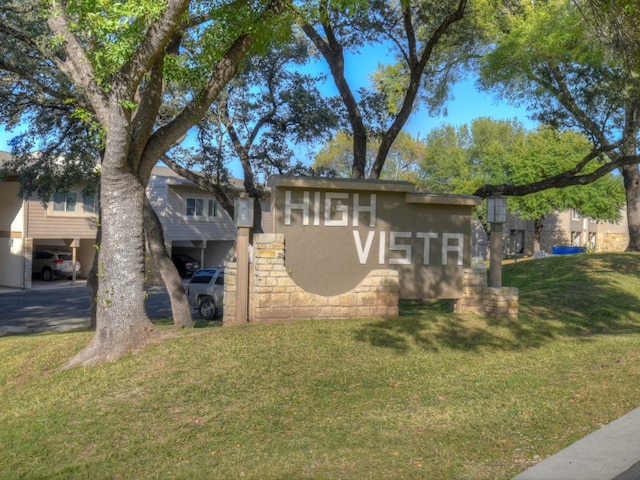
[(428, 395)]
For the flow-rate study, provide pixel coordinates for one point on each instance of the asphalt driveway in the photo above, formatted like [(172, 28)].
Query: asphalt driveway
[(60, 305)]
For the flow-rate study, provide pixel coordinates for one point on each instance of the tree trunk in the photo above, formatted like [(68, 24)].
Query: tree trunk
[(390, 135), (333, 53), (170, 276), (122, 324), (631, 176), (93, 280)]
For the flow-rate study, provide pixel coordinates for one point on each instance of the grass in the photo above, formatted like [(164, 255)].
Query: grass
[(426, 395)]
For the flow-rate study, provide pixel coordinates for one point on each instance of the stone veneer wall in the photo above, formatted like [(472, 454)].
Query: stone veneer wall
[(273, 295), (480, 299), (612, 242)]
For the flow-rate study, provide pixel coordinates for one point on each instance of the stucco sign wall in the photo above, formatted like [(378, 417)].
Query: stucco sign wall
[(338, 230)]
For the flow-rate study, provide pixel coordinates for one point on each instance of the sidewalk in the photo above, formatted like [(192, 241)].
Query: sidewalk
[(610, 453), (42, 285)]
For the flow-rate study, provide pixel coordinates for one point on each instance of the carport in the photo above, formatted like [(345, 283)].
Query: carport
[(82, 250)]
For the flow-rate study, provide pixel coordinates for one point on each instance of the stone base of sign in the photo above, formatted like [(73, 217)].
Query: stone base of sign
[(480, 299), (274, 296)]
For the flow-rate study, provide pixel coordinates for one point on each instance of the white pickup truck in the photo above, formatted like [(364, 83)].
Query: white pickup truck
[(205, 291)]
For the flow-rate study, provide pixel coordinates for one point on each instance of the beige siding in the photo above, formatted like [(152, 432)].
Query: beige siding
[(43, 223), (11, 243), (564, 228), (11, 211), (170, 203)]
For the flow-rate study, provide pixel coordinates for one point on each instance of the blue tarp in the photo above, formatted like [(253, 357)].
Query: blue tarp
[(567, 249)]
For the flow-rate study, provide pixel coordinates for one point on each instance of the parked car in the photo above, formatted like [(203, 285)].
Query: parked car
[(185, 264), (52, 264), (205, 291)]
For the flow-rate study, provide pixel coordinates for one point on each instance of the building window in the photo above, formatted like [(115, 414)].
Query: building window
[(196, 207), (213, 208), (90, 204), (65, 202)]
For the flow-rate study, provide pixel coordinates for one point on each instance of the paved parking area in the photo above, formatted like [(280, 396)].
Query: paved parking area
[(60, 305)]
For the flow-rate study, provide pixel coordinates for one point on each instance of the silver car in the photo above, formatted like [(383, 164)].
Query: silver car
[(206, 290), (51, 264)]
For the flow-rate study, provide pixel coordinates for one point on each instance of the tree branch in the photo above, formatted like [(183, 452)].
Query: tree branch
[(163, 138), (77, 66), (152, 46), (416, 70), (333, 53), (564, 96), (564, 179)]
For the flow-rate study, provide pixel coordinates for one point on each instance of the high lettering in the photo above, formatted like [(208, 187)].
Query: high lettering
[(336, 209)]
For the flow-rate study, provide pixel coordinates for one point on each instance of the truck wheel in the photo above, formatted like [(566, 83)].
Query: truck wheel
[(207, 308)]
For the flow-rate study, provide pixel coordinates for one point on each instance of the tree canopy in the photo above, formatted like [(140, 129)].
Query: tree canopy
[(428, 40), (461, 160), (336, 156), (549, 56)]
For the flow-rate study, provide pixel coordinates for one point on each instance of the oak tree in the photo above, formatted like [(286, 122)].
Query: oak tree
[(269, 110), (118, 59), (336, 156)]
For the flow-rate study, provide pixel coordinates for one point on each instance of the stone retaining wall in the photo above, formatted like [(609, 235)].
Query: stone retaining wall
[(480, 299), (273, 295)]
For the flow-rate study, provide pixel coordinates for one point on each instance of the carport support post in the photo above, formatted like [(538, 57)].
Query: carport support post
[(243, 213), (74, 246)]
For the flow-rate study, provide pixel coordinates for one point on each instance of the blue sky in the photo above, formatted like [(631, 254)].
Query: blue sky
[(468, 104), (4, 138)]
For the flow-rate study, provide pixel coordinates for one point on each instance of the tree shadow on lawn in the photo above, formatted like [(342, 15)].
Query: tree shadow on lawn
[(438, 330), (197, 322), (565, 298)]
